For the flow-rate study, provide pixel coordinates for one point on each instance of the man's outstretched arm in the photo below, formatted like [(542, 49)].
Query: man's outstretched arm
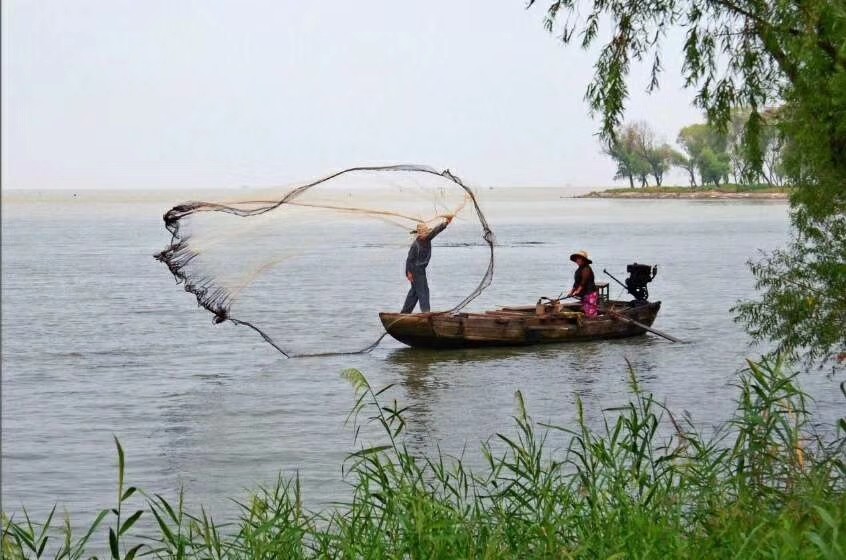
[(440, 227)]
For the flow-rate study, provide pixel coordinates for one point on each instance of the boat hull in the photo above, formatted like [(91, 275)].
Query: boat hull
[(518, 326)]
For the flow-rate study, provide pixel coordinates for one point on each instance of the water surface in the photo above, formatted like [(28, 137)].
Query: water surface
[(98, 342)]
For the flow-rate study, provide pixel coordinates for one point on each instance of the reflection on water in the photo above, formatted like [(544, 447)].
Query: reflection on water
[(433, 381)]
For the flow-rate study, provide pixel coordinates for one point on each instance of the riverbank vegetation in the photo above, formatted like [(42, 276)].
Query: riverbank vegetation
[(771, 80), (729, 190), (649, 484), (709, 156)]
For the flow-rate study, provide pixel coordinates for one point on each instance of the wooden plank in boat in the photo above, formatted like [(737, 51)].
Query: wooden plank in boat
[(507, 315), (559, 327), (567, 315), (476, 332)]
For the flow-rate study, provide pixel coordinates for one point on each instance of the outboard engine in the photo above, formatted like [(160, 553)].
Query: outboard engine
[(639, 276)]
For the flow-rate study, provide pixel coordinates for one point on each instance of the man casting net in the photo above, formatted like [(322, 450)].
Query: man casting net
[(310, 269)]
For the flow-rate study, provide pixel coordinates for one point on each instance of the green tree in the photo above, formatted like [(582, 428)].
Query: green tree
[(661, 159), (658, 156), (769, 150), (688, 164), (806, 283), (772, 146), (638, 154), (742, 170), (692, 140), (713, 166), (625, 149), (616, 151), (706, 152), (752, 54)]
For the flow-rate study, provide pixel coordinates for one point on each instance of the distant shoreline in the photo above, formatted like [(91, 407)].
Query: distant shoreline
[(488, 195), (687, 194), (179, 195)]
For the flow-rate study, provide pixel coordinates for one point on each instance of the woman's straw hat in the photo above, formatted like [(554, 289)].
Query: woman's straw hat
[(582, 254)]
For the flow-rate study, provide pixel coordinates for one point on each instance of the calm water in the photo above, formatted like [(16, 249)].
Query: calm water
[(99, 341)]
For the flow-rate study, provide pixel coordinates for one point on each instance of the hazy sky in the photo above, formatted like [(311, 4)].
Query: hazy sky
[(204, 93)]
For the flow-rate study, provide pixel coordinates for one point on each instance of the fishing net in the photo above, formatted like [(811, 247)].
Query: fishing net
[(309, 270)]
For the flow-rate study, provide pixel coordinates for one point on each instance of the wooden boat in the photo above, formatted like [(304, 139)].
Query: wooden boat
[(517, 326)]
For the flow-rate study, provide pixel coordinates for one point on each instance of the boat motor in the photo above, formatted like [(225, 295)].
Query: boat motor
[(639, 276)]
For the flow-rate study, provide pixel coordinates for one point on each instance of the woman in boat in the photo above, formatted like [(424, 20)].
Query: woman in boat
[(584, 285), (415, 265)]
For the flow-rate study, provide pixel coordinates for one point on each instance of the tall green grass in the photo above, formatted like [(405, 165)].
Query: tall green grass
[(645, 485)]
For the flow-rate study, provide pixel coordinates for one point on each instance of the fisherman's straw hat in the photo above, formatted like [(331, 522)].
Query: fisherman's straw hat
[(422, 229), (582, 254)]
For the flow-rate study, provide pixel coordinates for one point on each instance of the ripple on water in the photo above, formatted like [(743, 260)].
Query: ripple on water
[(102, 344)]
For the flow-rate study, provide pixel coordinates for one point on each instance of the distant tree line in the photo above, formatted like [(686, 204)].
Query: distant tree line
[(707, 155), (739, 58)]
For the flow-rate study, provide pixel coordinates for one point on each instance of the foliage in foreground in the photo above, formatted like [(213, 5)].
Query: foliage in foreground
[(763, 487), (747, 57), (806, 281)]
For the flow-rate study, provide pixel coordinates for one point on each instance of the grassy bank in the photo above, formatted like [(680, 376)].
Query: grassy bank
[(723, 191), (765, 486)]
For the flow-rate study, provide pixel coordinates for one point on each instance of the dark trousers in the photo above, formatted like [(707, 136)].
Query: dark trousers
[(419, 291)]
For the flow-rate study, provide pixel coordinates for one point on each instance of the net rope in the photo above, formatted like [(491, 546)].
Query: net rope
[(218, 261)]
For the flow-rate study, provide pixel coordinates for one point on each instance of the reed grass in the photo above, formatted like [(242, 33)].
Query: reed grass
[(762, 486)]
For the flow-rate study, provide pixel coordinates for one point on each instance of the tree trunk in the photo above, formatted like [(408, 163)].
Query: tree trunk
[(692, 177)]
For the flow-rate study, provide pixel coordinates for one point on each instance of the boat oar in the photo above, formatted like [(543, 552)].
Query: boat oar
[(641, 325)]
